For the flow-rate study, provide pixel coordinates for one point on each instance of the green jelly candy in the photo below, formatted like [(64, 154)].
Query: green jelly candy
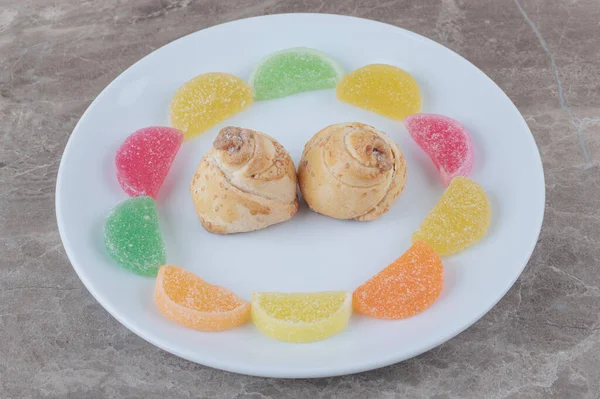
[(132, 236), (292, 71)]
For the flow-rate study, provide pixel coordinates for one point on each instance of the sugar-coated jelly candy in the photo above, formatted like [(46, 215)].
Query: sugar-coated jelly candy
[(445, 140), (190, 301), (384, 89), (207, 100), (301, 317), (292, 71), (405, 288), (132, 236), (144, 159), (459, 219)]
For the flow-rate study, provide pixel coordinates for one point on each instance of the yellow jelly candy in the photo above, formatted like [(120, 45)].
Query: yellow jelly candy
[(301, 317), (459, 219), (206, 100), (384, 89)]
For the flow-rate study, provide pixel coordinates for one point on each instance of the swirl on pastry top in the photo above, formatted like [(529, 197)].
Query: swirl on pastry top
[(351, 171), (255, 163), (247, 181)]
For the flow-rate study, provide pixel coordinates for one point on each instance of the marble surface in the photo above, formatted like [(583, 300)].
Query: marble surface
[(541, 341)]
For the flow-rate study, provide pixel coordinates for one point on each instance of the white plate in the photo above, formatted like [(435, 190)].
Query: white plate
[(310, 252)]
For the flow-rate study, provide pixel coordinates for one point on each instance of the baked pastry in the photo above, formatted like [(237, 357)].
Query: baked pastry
[(246, 182), (351, 171)]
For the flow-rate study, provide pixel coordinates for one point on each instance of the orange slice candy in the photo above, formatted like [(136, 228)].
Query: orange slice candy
[(190, 301), (406, 287)]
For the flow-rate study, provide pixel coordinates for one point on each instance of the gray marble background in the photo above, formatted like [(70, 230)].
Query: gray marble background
[(541, 341)]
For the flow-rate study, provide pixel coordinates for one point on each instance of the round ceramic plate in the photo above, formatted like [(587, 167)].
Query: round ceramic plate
[(310, 252)]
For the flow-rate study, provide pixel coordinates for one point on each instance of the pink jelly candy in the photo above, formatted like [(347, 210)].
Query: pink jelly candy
[(144, 159), (445, 140)]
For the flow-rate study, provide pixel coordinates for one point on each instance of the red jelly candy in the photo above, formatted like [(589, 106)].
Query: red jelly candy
[(144, 159), (446, 141)]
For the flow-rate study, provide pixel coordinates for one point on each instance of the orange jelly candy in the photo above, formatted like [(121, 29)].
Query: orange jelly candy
[(190, 301), (406, 287)]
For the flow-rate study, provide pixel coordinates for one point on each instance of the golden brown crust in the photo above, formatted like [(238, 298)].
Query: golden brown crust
[(351, 171), (246, 182)]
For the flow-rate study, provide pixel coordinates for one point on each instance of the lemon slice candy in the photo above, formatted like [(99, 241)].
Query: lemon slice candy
[(384, 89), (207, 100), (301, 317), (459, 219)]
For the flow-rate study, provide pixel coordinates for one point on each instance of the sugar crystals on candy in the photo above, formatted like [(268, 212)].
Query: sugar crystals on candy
[(384, 89), (446, 141), (405, 288), (190, 301), (144, 159), (459, 219), (132, 236), (207, 100), (301, 316), (292, 71)]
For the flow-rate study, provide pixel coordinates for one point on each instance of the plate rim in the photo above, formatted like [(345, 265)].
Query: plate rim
[(270, 371)]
